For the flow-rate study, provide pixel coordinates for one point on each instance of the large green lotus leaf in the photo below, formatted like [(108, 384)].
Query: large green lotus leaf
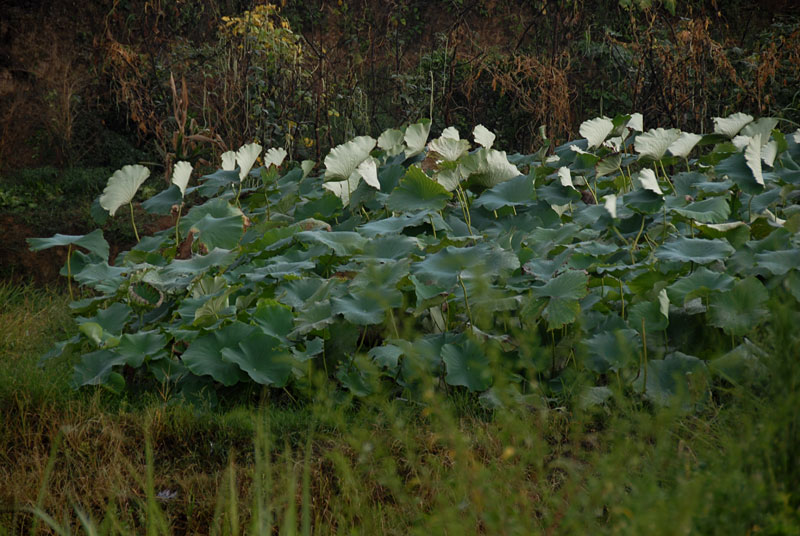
[(759, 203), (313, 348), (93, 241), (672, 380), (416, 136), (381, 277), (213, 310), (698, 250), (225, 232), (323, 208), (162, 202), (135, 347), (215, 209), (736, 169), (467, 365), (651, 312), (390, 248), (199, 263), (391, 141), (362, 308), (571, 285), (343, 243), (95, 368), (741, 365), (515, 192), (612, 351), (344, 159), (486, 168), (484, 260), (316, 316), (386, 356), (560, 312), (700, 283), (655, 142), (102, 277), (273, 318), (711, 210), (296, 293), (731, 125), (684, 144), (643, 201), (111, 319), (779, 262), (740, 309), (417, 191), (449, 149), (204, 355), (122, 186), (553, 193), (483, 136), (263, 358), (596, 131)]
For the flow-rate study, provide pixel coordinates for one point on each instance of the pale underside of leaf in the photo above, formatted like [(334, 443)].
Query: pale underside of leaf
[(483, 136), (731, 125), (610, 204), (596, 130), (684, 144), (343, 159), (450, 149), (647, 178), (655, 142), (229, 161), (391, 141), (245, 158), (565, 177), (416, 137), (180, 175), (274, 157), (752, 155), (122, 186), (368, 169)]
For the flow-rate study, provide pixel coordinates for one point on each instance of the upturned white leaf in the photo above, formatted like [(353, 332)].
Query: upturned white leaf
[(488, 167), (684, 144), (228, 160), (122, 186), (740, 142), (343, 159), (368, 169), (343, 189), (610, 204), (560, 209), (274, 157), (636, 122), (565, 177), (752, 155), (769, 152), (763, 126), (663, 302), (596, 130), (655, 142), (451, 132), (615, 143), (391, 141), (483, 136), (307, 166), (246, 157), (180, 175), (647, 178), (796, 136), (416, 137), (731, 125), (449, 178), (450, 149)]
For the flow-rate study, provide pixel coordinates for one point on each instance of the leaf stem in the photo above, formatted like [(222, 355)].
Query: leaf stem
[(69, 272), (133, 222), (644, 355), (466, 301)]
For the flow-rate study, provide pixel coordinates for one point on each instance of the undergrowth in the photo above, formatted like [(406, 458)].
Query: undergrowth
[(84, 462)]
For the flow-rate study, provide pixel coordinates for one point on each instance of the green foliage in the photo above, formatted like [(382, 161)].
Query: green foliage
[(406, 282)]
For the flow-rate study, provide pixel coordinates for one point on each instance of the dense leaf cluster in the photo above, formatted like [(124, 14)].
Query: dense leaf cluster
[(642, 258)]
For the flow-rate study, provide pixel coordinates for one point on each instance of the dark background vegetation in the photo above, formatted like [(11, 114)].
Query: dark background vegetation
[(87, 87)]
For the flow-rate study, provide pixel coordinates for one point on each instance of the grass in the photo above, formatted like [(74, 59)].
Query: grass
[(91, 462)]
